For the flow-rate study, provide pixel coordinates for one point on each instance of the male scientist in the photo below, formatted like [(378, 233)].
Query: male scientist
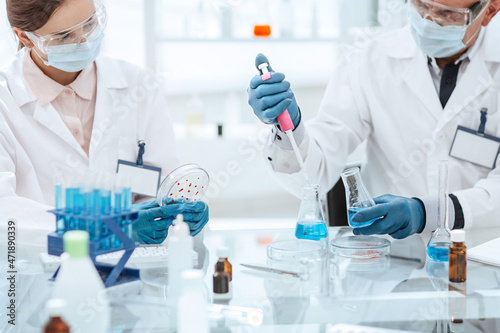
[(425, 93)]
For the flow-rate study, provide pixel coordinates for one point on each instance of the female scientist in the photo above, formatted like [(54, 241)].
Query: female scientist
[(64, 106)]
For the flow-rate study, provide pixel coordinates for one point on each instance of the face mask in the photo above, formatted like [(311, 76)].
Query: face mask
[(434, 40), (75, 57)]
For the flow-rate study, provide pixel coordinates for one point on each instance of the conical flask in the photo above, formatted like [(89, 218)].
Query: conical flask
[(311, 221), (357, 196), (438, 246)]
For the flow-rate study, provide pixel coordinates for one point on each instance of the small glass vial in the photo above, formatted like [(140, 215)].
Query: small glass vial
[(56, 323), (223, 253), (221, 290), (458, 257)]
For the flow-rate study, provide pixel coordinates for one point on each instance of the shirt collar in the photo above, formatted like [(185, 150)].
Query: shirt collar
[(43, 87), (85, 83), (46, 90)]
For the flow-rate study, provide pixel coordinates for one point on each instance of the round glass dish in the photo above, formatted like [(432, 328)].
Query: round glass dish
[(188, 182), (295, 250), (360, 247)]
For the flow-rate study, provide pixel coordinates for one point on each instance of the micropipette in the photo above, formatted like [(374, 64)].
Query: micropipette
[(286, 123)]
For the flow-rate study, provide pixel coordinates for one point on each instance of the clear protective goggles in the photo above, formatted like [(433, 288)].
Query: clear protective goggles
[(74, 35), (446, 15)]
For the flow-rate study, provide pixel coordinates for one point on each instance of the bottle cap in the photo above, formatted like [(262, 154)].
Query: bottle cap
[(180, 228), (458, 236), (76, 243), (219, 266), (223, 252), (56, 307)]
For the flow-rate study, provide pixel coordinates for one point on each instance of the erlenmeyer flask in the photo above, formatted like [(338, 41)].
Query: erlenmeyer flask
[(311, 221), (439, 244), (357, 196)]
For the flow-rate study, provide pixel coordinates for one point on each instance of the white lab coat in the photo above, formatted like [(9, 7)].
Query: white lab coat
[(383, 93), (34, 139)]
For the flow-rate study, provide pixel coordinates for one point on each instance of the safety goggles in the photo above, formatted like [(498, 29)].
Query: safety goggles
[(446, 15), (74, 35)]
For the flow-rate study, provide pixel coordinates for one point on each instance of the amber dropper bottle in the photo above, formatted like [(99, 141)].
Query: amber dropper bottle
[(221, 289), (458, 257), (56, 323), (223, 253)]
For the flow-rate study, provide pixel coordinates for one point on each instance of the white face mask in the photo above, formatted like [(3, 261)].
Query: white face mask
[(75, 57), (434, 40)]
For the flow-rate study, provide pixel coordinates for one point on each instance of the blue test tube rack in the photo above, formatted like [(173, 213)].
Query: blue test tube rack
[(111, 274)]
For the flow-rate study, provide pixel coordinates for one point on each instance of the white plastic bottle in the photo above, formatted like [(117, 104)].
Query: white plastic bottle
[(192, 305), (180, 256), (79, 284)]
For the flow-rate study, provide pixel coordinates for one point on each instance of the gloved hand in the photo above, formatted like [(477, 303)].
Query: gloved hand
[(401, 217), (154, 221), (270, 98)]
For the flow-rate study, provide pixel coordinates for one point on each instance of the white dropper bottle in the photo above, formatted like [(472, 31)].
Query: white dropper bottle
[(192, 305), (79, 284), (180, 256)]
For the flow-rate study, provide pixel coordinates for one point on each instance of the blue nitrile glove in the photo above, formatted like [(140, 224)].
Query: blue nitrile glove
[(270, 98), (154, 221), (401, 217)]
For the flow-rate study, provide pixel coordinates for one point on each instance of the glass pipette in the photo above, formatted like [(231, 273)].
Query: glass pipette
[(286, 123)]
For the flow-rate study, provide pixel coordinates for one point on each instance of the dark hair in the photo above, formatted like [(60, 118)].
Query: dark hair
[(31, 15)]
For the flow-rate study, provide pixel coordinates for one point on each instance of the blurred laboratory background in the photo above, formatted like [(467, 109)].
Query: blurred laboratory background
[(202, 54)]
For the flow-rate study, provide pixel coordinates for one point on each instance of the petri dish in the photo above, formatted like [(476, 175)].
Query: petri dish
[(188, 182), (360, 247), (295, 250)]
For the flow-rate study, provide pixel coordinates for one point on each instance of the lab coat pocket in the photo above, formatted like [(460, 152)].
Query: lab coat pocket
[(128, 148)]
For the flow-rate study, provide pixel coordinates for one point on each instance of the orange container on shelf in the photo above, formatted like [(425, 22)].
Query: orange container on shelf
[(262, 30)]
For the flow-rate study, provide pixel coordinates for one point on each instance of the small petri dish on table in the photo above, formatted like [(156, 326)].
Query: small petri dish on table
[(186, 183), (295, 250), (360, 247)]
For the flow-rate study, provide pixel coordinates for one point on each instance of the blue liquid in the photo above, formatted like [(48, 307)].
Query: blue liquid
[(116, 243), (311, 230), (59, 205), (127, 205), (69, 222), (354, 210), (438, 251)]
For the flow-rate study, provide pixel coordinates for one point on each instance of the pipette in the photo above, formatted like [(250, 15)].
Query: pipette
[(286, 123)]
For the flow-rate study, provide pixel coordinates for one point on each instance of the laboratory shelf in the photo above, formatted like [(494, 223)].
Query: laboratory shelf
[(251, 40)]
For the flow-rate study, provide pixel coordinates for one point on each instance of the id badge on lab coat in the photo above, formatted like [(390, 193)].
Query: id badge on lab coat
[(144, 179), (475, 147)]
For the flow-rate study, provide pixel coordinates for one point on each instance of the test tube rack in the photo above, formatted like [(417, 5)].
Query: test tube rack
[(111, 274)]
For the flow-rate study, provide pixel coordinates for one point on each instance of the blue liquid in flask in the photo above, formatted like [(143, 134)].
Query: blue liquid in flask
[(438, 251), (311, 230), (354, 210)]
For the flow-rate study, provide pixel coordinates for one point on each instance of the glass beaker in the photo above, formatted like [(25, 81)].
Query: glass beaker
[(357, 196), (311, 221), (439, 244)]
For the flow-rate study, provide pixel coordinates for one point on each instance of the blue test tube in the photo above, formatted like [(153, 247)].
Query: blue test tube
[(78, 206), (69, 221), (58, 192), (105, 206), (118, 198), (127, 206), (94, 207), (85, 197)]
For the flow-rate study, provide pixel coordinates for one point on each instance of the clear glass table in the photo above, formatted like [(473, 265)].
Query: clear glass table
[(403, 290)]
